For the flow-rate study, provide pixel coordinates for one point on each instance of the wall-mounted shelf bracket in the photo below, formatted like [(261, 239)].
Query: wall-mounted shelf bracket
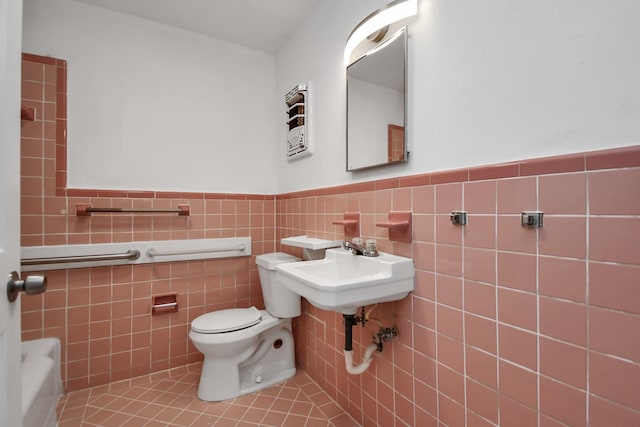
[(351, 223), (399, 225)]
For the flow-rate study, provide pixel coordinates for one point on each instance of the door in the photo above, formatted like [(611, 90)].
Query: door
[(10, 65)]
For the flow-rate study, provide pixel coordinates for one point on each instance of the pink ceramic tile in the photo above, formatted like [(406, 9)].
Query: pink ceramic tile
[(446, 232), (517, 346), (424, 256), (562, 278), (482, 400), (482, 367), (480, 265), (614, 192), (613, 158), (517, 271), (450, 412), (448, 198), (516, 195), (404, 409), (563, 320), (450, 353), (451, 383), (449, 291), (423, 199), (424, 418), (562, 236), (426, 369), (614, 239), (513, 414), (449, 322), (614, 286), (449, 260), (480, 197), (425, 285), (480, 298), (513, 237), (403, 381), (401, 199), (517, 309), (610, 332), (518, 384), (423, 227), (563, 362), (382, 202), (614, 379), (562, 402), (31, 320), (480, 231), (424, 312), (480, 333), (426, 397), (424, 343), (563, 194), (605, 413), (55, 298)]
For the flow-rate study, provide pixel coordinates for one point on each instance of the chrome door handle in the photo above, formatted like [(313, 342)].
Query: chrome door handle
[(32, 285)]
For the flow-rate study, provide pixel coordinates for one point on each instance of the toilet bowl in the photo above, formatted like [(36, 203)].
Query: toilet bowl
[(246, 349)]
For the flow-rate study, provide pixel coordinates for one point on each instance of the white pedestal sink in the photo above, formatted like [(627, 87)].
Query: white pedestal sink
[(343, 281)]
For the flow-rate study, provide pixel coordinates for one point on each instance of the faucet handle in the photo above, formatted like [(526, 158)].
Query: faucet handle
[(370, 244)]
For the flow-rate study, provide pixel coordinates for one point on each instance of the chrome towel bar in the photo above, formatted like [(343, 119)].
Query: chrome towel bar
[(84, 209), (130, 255)]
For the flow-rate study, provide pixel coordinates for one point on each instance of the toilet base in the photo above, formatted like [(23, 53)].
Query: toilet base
[(270, 362)]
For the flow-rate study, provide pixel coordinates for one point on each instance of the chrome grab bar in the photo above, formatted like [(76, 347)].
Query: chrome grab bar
[(154, 253), (129, 255)]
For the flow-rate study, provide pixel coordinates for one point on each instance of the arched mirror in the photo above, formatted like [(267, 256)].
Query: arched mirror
[(376, 105)]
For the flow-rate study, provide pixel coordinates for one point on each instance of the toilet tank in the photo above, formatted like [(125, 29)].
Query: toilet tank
[(278, 300)]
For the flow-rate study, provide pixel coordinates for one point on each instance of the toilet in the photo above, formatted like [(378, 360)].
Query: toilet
[(246, 349)]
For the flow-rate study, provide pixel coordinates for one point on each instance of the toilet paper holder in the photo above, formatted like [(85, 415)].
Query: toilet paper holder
[(163, 304)]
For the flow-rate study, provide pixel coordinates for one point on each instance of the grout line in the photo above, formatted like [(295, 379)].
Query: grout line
[(587, 299), (537, 231)]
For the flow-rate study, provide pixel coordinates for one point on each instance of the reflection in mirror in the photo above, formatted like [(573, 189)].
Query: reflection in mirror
[(376, 105)]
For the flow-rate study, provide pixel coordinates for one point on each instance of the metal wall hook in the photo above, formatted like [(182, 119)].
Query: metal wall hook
[(458, 218), (532, 219), (32, 285)]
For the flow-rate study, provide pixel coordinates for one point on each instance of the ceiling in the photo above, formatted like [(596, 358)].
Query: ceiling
[(263, 25)]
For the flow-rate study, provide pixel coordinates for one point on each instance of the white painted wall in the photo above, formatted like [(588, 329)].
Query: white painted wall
[(154, 107), (489, 82)]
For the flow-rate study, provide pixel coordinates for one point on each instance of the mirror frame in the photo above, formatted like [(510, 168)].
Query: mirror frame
[(381, 45)]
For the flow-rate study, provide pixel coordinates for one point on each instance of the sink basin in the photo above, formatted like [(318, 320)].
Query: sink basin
[(343, 281)]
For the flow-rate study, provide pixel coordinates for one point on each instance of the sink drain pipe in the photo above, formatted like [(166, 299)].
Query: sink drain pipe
[(349, 321)]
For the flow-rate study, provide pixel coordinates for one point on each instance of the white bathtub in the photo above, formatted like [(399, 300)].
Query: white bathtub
[(41, 382)]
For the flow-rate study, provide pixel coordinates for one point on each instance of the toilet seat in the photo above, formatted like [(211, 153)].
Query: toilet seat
[(229, 320)]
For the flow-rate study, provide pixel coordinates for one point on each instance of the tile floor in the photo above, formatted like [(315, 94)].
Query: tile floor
[(169, 399)]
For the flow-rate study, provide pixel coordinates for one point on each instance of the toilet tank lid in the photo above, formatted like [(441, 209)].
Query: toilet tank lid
[(228, 320), (269, 261)]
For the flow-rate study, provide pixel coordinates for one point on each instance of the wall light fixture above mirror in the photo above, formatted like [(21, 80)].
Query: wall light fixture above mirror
[(377, 21)]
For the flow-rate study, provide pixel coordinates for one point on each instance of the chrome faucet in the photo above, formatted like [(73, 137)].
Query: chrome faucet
[(356, 249)]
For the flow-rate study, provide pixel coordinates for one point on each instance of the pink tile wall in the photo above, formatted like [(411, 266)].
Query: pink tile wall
[(102, 315), (507, 325)]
